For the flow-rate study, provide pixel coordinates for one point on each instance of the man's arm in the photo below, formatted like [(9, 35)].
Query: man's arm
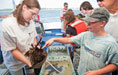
[(61, 40), (107, 69)]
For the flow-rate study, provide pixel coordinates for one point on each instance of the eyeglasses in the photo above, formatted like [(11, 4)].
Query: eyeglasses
[(99, 0), (32, 13)]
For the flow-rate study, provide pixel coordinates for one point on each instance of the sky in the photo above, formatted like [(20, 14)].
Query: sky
[(49, 3)]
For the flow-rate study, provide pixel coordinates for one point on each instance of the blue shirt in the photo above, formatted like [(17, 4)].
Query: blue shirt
[(96, 52)]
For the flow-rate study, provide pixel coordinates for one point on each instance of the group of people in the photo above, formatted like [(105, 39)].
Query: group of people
[(95, 35), (99, 44)]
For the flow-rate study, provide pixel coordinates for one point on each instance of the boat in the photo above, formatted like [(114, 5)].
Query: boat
[(51, 29)]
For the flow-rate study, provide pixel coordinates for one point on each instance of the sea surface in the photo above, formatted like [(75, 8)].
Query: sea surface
[(46, 16)]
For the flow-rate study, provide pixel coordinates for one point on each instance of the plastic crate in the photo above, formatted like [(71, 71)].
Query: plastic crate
[(59, 57)]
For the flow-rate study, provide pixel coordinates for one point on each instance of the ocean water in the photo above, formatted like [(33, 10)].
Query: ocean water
[(46, 16), (52, 15)]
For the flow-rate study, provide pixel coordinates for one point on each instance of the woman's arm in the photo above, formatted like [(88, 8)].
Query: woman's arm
[(18, 55)]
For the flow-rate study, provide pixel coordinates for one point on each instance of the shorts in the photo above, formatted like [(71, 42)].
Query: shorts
[(76, 59), (23, 71)]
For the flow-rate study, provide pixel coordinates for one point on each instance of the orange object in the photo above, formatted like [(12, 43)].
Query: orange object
[(80, 27)]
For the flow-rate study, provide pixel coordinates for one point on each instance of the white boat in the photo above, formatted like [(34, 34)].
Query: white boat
[(53, 25)]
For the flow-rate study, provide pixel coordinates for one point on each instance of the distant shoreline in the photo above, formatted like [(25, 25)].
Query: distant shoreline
[(2, 10), (41, 9)]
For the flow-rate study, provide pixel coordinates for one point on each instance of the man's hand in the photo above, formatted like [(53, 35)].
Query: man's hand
[(48, 43), (92, 73), (107, 69)]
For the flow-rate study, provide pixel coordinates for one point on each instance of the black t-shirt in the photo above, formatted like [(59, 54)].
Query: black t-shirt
[(71, 30)]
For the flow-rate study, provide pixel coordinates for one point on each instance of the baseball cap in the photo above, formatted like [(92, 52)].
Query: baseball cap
[(99, 14)]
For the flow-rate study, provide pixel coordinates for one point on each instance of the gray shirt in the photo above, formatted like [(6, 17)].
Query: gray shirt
[(96, 52)]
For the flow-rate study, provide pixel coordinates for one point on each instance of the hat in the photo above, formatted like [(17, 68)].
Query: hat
[(99, 14)]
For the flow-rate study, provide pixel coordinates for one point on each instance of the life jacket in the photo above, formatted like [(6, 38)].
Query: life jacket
[(64, 11), (80, 26)]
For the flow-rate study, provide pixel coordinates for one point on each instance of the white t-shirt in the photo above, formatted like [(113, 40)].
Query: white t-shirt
[(112, 26), (16, 36)]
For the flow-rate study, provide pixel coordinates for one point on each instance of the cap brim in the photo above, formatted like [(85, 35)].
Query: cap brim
[(89, 19)]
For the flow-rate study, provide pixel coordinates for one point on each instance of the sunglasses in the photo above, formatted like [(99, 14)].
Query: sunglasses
[(99, 0)]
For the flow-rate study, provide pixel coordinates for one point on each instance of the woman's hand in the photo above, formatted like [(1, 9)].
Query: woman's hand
[(29, 64), (34, 42)]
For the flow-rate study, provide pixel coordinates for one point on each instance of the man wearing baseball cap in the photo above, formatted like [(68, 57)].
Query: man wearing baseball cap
[(98, 54)]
